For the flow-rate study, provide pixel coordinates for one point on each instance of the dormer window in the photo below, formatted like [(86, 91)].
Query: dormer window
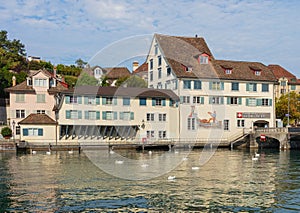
[(228, 71), (203, 59), (189, 69), (257, 72), (29, 82)]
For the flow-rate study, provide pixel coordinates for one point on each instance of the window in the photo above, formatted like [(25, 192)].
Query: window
[(126, 116), (235, 86), (216, 100), (151, 64), (158, 102), (73, 99), (250, 102), (265, 87), (90, 100), (162, 134), (73, 114), (159, 72), (40, 98), (257, 72), (216, 85), (197, 85), (143, 101), (20, 113), (150, 117), (228, 71), (40, 82), (40, 111), (293, 87), (18, 130), (159, 85), (150, 134), (109, 115), (191, 125), (156, 49), (32, 132), (151, 76), (20, 98), (251, 87), (126, 101), (185, 99), (92, 115), (240, 123), (198, 100), (282, 91), (265, 102), (162, 117), (168, 71), (234, 100), (283, 83), (186, 84), (159, 60), (109, 101), (226, 124), (203, 59)]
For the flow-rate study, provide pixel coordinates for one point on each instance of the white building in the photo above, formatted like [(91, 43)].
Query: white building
[(219, 98)]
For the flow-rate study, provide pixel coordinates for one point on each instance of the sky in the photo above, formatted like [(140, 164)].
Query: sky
[(62, 31)]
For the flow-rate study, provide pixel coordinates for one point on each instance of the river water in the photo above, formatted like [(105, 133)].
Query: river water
[(230, 181)]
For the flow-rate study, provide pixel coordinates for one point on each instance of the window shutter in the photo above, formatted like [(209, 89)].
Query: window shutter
[(103, 115), (210, 100), (247, 101), (258, 102), (181, 99), (86, 100), (68, 114), (98, 100), (210, 85), (163, 102), (222, 100), (115, 115), (79, 99), (79, 114), (222, 85), (170, 102), (131, 115), (103, 101), (270, 102), (247, 87), (254, 87), (153, 102), (67, 98), (40, 132), (25, 132), (228, 100), (240, 101), (202, 100), (121, 114), (98, 115), (115, 101), (86, 115)]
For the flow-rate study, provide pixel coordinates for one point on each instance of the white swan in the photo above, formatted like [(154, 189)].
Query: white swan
[(70, 151), (254, 158), (171, 178), (111, 152), (184, 159), (119, 162), (48, 152), (144, 165), (256, 154), (176, 152), (150, 152), (32, 152), (195, 168)]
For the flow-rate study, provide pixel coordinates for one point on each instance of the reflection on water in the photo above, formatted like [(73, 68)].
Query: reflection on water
[(229, 181)]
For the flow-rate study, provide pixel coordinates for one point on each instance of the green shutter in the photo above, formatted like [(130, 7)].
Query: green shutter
[(40, 132), (258, 102), (228, 100), (210, 100), (153, 101), (79, 114), (131, 115), (240, 101), (115, 101), (270, 102), (247, 87), (222, 100), (210, 85), (121, 115), (163, 102), (86, 115), (103, 115), (98, 100), (68, 114), (79, 99), (202, 100), (67, 98), (170, 102), (181, 99), (98, 115), (115, 115), (86, 100), (222, 85), (25, 132), (254, 87), (103, 101), (247, 101)]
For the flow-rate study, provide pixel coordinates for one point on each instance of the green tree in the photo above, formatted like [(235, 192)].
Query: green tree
[(104, 81), (70, 80), (6, 132), (86, 79), (288, 103), (133, 81), (80, 63)]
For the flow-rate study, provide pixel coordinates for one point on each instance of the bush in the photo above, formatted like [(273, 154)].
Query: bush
[(6, 132)]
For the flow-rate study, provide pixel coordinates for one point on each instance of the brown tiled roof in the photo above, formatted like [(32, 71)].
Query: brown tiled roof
[(142, 68), (117, 72), (60, 86), (37, 119), (280, 72), (22, 87), (243, 70), (122, 91)]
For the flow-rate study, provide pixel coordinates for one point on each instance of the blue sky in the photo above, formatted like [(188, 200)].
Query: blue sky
[(63, 31)]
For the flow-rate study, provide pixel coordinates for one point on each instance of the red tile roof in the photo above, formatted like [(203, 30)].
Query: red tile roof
[(280, 72), (38, 119), (117, 72), (142, 68)]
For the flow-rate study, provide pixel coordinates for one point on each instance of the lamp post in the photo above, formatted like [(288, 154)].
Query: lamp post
[(14, 123)]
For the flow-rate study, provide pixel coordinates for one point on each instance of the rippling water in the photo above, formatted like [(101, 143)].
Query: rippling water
[(229, 182)]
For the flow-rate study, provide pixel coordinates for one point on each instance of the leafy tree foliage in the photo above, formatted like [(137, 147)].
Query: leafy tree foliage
[(132, 81), (68, 70), (86, 79), (104, 81), (80, 63), (288, 103)]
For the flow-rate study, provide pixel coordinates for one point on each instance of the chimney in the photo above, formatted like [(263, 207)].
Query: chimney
[(14, 81), (135, 65), (54, 71)]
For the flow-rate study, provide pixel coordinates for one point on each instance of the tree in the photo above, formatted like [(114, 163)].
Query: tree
[(6, 132), (80, 63), (133, 81), (104, 81), (86, 79), (288, 104)]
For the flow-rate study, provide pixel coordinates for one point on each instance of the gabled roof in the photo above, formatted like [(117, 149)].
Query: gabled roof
[(243, 70), (280, 72), (22, 87), (180, 52), (142, 68), (38, 119), (117, 72), (121, 91)]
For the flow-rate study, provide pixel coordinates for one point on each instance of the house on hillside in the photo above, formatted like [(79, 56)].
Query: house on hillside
[(114, 73), (287, 82), (35, 95), (141, 71), (218, 98)]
